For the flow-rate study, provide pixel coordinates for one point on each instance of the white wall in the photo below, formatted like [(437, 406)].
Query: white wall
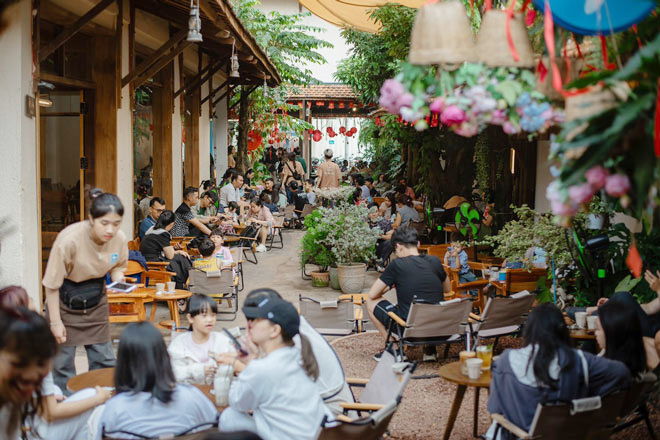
[(323, 73), (344, 147), (19, 256)]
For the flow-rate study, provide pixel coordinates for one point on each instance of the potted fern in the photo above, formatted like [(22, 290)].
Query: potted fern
[(314, 251)]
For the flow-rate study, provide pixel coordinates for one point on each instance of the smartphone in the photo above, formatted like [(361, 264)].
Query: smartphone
[(122, 287), (235, 343)]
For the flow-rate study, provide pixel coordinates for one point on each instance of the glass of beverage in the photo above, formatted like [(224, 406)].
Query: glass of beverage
[(485, 353)]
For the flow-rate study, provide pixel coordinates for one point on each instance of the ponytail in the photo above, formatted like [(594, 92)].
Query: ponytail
[(310, 365)]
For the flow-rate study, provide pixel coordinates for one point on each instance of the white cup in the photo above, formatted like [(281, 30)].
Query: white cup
[(171, 286), (591, 322), (160, 287), (581, 319), (474, 368)]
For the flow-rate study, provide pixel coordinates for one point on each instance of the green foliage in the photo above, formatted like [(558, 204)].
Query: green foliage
[(312, 249)]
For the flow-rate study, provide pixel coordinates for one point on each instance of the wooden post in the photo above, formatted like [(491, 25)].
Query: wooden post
[(118, 49), (162, 105)]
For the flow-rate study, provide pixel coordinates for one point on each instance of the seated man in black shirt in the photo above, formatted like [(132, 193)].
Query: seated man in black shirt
[(412, 274)]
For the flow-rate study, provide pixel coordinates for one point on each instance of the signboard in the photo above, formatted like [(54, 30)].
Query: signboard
[(331, 142)]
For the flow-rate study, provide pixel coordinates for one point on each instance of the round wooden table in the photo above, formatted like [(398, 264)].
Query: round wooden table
[(105, 377), (582, 334), (452, 372), (172, 304)]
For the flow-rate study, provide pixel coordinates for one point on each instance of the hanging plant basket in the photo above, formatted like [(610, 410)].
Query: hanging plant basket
[(493, 45)]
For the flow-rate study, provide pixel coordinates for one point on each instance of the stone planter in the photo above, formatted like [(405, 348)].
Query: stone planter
[(334, 278), (351, 277), (320, 279)]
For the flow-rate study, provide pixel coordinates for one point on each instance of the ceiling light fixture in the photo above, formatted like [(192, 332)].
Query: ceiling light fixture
[(45, 101), (234, 62), (194, 23)]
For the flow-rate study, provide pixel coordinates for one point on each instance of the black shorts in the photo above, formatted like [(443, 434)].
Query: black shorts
[(381, 313)]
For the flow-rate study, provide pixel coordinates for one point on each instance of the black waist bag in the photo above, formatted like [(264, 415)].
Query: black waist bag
[(83, 295)]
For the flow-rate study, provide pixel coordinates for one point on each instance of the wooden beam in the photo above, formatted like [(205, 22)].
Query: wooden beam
[(162, 62), (248, 94), (119, 37), (227, 92), (213, 92), (200, 78), (69, 82), (74, 29), (153, 58)]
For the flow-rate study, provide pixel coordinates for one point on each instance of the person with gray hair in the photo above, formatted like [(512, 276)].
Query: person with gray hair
[(329, 174)]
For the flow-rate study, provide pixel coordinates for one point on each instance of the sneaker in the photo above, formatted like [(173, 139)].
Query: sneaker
[(261, 248), (430, 354), (397, 356)]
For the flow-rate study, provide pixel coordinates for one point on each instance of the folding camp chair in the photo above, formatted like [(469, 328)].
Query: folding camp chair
[(386, 384), (372, 427), (502, 316), (276, 230), (634, 408), (219, 285), (431, 324), (247, 241), (579, 419), (200, 435), (237, 257), (329, 317)]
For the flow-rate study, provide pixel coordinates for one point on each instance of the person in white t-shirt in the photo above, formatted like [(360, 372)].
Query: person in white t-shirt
[(149, 402), (192, 354), (278, 391)]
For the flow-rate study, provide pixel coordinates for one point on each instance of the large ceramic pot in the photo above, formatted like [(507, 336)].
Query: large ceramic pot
[(351, 277), (320, 279), (334, 278)]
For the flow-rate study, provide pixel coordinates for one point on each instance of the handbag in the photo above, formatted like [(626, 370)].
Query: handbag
[(83, 295), (294, 173)]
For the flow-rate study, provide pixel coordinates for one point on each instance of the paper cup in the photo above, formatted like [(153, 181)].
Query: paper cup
[(581, 319), (464, 356), (591, 322), (474, 368), (502, 276), (160, 287), (171, 286)]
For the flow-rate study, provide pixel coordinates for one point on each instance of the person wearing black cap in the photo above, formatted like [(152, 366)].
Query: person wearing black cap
[(281, 393)]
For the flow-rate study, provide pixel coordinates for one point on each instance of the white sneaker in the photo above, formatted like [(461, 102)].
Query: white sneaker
[(261, 248)]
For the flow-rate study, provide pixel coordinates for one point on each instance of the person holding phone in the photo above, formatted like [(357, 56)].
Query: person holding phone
[(82, 255)]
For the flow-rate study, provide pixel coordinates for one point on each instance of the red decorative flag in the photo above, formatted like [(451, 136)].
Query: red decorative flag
[(656, 131), (634, 261)]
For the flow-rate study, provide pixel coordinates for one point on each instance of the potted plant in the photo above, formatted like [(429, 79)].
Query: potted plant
[(314, 251), (351, 241)]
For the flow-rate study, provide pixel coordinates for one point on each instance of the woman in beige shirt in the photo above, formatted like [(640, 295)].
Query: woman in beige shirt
[(82, 255), (231, 162), (292, 171)]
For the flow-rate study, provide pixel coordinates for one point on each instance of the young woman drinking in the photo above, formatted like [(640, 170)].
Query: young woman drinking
[(67, 419), (261, 215), (156, 246), (82, 255), (548, 369), (280, 392), (149, 402), (192, 353)]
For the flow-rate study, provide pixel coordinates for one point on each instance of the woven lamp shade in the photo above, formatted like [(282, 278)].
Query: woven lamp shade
[(492, 46), (442, 35)]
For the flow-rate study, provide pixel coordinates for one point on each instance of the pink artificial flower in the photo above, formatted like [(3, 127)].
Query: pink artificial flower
[(617, 185), (563, 209), (596, 177), (453, 115), (438, 105), (390, 92), (404, 100), (510, 128), (498, 117), (467, 129), (530, 16), (580, 194)]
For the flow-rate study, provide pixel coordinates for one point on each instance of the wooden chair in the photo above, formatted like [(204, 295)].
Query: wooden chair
[(128, 307), (134, 245), (431, 324), (478, 285), (386, 384), (518, 280), (147, 277), (579, 419), (47, 240), (221, 286), (378, 200)]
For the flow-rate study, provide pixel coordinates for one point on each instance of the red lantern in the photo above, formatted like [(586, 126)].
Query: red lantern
[(342, 130), (254, 140), (310, 130), (341, 104), (320, 103), (299, 103), (332, 134), (317, 136), (331, 105)]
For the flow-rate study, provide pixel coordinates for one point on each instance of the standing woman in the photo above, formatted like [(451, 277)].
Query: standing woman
[(231, 162), (82, 255)]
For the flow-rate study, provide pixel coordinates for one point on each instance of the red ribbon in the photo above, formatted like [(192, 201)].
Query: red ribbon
[(656, 132), (488, 4), (549, 36), (603, 45), (509, 38), (541, 70)]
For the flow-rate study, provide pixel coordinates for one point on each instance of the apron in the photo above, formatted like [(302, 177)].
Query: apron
[(85, 327)]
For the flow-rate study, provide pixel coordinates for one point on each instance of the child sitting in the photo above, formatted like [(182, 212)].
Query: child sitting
[(220, 251), (208, 262), (193, 354), (457, 258)]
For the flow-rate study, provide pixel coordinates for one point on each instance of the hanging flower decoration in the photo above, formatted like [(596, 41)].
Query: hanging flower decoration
[(469, 98)]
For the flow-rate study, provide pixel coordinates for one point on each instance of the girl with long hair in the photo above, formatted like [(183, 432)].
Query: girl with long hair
[(277, 389), (548, 369), (82, 255), (192, 353), (149, 402)]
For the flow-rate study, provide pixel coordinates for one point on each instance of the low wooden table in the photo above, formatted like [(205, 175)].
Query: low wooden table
[(105, 377), (172, 305), (452, 373), (582, 334)]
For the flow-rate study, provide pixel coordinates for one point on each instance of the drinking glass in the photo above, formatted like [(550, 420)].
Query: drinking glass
[(485, 353)]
